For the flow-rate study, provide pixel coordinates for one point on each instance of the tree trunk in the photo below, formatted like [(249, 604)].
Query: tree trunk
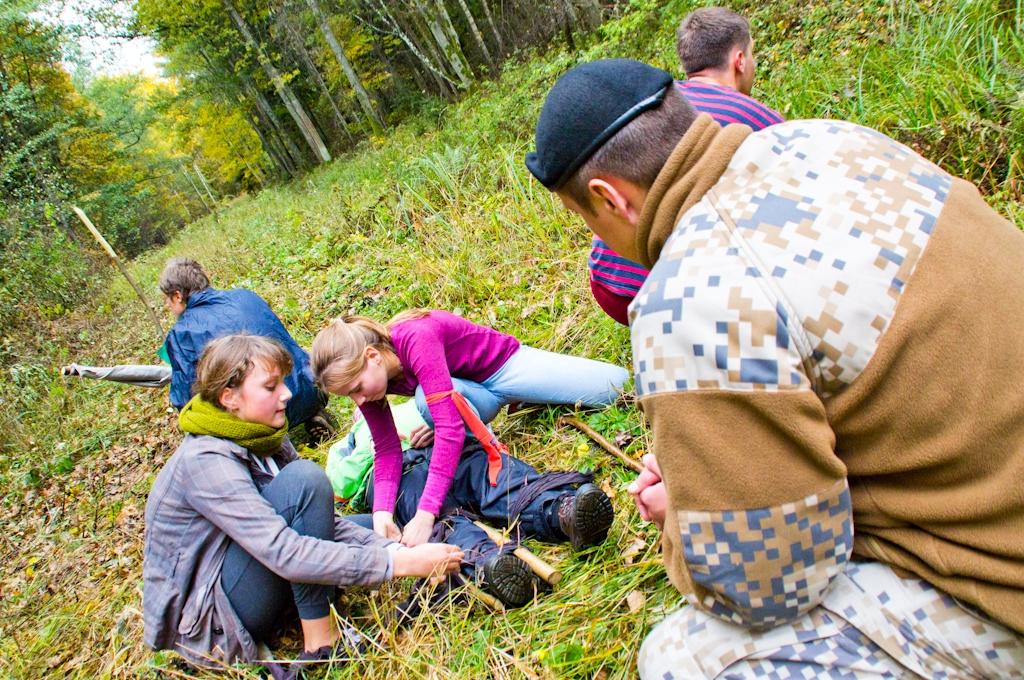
[(291, 102), (202, 179), (28, 70), (592, 14), (397, 80), (372, 116), (314, 72), (441, 79), (184, 204), (421, 83), (281, 168), (568, 20), (195, 188), (440, 24), (267, 111), (494, 29), (281, 154), (115, 260), (476, 35), (428, 47), (254, 171), (251, 91), (279, 157), (454, 44)]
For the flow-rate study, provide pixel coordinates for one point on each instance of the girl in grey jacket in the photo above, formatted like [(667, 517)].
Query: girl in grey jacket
[(238, 529)]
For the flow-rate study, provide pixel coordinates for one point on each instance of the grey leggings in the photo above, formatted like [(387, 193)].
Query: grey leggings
[(302, 495)]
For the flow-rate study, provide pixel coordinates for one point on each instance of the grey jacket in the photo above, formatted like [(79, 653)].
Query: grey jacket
[(203, 499)]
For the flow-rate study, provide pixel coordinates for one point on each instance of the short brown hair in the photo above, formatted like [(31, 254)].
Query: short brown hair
[(227, 361), (638, 151), (183, 275), (707, 35)]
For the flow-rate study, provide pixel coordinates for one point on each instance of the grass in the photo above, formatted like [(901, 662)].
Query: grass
[(441, 212)]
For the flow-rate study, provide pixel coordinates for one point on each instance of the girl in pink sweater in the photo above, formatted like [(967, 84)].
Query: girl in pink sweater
[(428, 354)]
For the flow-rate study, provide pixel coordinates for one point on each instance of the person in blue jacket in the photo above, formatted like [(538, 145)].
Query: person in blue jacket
[(205, 313)]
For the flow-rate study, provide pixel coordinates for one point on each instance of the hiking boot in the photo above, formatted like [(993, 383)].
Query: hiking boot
[(321, 427), (507, 578), (586, 516)]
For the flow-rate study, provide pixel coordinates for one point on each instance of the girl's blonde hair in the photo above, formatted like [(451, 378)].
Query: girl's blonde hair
[(227, 361), (338, 355)]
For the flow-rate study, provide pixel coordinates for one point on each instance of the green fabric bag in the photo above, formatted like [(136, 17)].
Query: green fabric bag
[(163, 354), (350, 461)]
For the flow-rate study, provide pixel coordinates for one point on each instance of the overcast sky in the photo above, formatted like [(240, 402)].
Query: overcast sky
[(101, 52), (134, 56)]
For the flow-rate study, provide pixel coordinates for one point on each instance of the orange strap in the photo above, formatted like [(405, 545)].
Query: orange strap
[(491, 445)]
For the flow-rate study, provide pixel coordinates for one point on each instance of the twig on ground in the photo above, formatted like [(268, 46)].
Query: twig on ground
[(602, 442)]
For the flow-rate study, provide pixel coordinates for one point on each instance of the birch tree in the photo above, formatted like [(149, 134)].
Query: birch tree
[(440, 24), (395, 29), (266, 112), (202, 179), (373, 117), (494, 29), (476, 34), (271, 147), (291, 102), (299, 46)]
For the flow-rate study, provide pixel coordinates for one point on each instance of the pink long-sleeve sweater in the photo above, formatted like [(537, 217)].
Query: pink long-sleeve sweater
[(432, 350)]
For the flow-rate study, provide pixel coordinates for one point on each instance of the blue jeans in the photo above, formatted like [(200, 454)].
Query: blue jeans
[(535, 376)]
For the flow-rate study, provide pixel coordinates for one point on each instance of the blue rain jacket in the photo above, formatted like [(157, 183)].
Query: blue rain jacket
[(212, 313)]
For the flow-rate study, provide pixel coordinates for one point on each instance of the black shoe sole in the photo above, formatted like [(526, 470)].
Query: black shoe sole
[(509, 579), (593, 517), (320, 428)]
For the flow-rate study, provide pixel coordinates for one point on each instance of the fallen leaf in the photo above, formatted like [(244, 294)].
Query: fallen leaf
[(630, 552), (635, 601), (57, 659), (609, 491)]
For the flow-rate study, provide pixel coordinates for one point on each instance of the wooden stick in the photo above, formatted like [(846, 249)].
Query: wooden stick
[(602, 442), (488, 599), (117, 262), (536, 564)]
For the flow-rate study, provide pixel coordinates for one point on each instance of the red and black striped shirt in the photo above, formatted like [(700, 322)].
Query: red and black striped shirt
[(622, 278)]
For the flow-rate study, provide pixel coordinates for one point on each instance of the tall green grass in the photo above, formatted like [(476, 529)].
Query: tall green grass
[(443, 213)]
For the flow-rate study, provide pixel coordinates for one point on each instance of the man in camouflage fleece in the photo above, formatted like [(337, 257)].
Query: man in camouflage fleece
[(828, 352)]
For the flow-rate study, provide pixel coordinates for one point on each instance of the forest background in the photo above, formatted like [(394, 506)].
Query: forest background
[(367, 156)]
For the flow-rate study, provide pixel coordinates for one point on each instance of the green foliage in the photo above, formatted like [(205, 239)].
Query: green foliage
[(119, 150), (38, 109)]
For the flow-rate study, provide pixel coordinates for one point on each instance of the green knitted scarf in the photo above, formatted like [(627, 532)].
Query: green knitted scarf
[(201, 417)]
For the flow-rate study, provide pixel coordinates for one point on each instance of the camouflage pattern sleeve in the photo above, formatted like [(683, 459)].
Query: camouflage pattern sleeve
[(759, 518), (770, 297)]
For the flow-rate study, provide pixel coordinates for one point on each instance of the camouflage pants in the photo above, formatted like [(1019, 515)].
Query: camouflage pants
[(871, 624)]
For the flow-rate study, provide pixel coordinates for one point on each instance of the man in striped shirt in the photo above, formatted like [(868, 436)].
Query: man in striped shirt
[(716, 51)]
